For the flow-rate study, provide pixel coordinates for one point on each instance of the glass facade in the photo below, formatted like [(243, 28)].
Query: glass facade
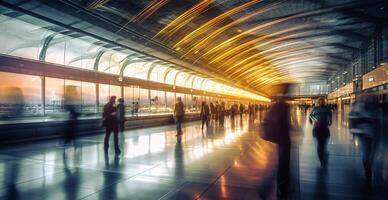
[(22, 97), (34, 39)]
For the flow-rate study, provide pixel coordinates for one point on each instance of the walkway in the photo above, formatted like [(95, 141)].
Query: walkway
[(229, 162)]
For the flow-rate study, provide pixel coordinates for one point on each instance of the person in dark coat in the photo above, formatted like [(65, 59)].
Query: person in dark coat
[(121, 114), (277, 125), (221, 114), (179, 112), (205, 113), (241, 108), (321, 117), (110, 123), (365, 123)]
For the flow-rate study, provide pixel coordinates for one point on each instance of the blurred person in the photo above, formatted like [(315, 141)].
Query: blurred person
[(205, 112), (365, 118), (321, 118), (111, 124), (241, 109), (179, 113), (221, 114), (212, 110), (133, 108), (15, 99), (251, 109), (137, 107), (71, 102), (121, 114), (216, 111), (231, 112), (276, 129)]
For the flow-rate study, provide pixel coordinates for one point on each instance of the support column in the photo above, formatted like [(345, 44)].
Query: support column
[(43, 94)]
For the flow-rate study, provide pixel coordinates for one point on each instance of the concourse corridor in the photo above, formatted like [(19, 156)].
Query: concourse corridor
[(230, 162)]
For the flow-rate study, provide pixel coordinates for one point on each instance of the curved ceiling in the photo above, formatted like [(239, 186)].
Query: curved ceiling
[(252, 43)]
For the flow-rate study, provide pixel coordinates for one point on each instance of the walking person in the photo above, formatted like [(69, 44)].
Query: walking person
[(221, 114), (321, 117), (212, 110), (111, 124), (71, 102), (241, 109), (276, 129), (205, 112), (365, 123), (216, 111), (121, 114), (179, 112)]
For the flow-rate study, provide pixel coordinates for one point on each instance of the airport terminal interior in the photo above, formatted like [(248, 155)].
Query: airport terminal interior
[(194, 99)]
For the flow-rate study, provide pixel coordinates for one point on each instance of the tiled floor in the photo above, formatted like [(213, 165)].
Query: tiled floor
[(229, 162)]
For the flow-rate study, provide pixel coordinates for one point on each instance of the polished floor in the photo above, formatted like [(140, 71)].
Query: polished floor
[(229, 162)]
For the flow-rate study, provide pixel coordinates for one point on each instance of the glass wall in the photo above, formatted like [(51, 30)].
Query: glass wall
[(54, 92), (144, 101), (103, 95), (89, 104), (20, 95), (158, 103), (170, 101)]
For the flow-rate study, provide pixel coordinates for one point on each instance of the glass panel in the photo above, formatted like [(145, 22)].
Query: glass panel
[(171, 76), (75, 52), (103, 92), (144, 101), (89, 104), (158, 103), (170, 101), (181, 79), (20, 95), (19, 38), (137, 70), (197, 83), (111, 61), (115, 90), (157, 73), (54, 95), (128, 99)]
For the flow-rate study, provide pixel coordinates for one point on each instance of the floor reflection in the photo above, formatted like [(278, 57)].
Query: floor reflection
[(218, 162)]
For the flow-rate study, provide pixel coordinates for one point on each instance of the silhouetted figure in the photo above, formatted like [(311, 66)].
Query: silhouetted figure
[(241, 109), (212, 110), (365, 120), (71, 102), (179, 112), (137, 107), (276, 128), (321, 117), (111, 125), (233, 111), (251, 109), (121, 114), (133, 108), (217, 111), (13, 96), (205, 112), (221, 114)]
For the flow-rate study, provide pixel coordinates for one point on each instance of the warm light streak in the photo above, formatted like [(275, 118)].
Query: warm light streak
[(97, 4), (150, 9), (213, 23), (183, 19), (210, 37), (230, 41), (240, 48)]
